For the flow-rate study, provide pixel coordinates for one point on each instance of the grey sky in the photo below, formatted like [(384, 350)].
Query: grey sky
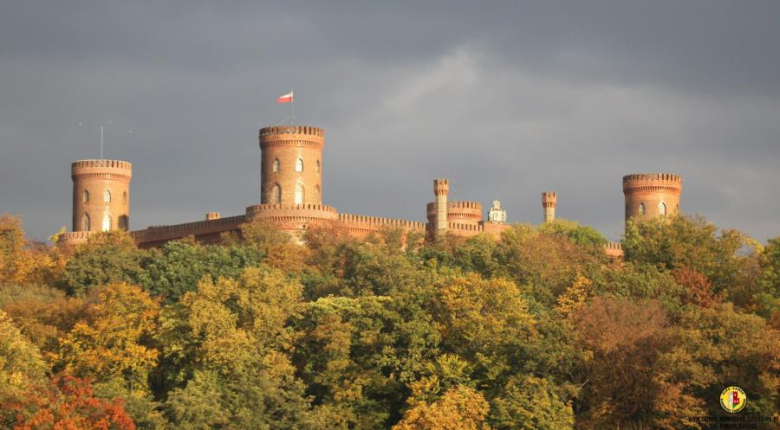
[(506, 99)]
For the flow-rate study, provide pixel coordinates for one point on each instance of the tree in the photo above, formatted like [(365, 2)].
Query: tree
[(579, 234), (105, 258), (530, 403), (691, 242), (68, 403), (460, 408), (21, 364), (179, 266), (483, 321), (228, 342), (111, 343)]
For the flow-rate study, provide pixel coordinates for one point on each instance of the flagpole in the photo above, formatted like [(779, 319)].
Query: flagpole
[(292, 108)]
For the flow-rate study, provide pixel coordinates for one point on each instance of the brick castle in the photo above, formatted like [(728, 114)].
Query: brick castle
[(291, 197)]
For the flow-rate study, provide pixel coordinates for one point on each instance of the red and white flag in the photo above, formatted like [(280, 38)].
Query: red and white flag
[(287, 98)]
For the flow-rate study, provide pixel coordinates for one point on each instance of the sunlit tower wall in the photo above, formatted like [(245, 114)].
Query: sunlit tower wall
[(549, 201), (649, 195), (101, 195), (441, 189), (291, 164)]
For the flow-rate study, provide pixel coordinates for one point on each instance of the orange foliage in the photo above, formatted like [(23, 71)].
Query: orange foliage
[(68, 404)]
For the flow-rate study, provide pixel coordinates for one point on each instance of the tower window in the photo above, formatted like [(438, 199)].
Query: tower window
[(299, 165), (107, 221), (124, 222), (85, 197), (276, 165), (124, 198), (642, 208), (317, 190), (318, 166), (662, 208), (107, 196), (85, 222), (299, 194), (276, 194)]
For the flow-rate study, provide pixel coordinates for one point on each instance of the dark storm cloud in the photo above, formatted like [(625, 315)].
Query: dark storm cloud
[(505, 99)]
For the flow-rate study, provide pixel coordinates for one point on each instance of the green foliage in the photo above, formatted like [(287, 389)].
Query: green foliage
[(106, 258), (530, 404), (180, 265), (535, 330), (21, 364), (579, 234)]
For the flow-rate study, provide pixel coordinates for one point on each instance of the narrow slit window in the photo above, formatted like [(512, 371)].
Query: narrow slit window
[(299, 165), (276, 194), (662, 208), (107, 196), (276, 165), (85, 223), (299, 194), (85, 197), (642, 208)]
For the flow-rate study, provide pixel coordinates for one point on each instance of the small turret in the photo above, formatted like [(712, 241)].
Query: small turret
[(441, 188), (549, 201)]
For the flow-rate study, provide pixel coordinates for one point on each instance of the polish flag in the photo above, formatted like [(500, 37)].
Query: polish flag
[(287, 98)]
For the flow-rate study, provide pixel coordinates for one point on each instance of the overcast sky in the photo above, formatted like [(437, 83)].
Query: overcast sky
[(506, 99)]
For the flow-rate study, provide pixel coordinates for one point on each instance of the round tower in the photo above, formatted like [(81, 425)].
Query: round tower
[(441, 188), (549, 201), (101, 195), (291, 164), (649, 195)]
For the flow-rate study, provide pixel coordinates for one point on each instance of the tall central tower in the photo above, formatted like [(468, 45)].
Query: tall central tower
[(291, 165)]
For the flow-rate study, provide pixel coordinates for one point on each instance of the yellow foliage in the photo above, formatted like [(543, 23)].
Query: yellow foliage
[(574, 297), (460, 408)]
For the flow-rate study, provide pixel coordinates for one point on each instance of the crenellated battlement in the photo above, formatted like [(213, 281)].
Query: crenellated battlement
[(467, 210), (650, 180), (292, 129), (549, 199), (186, 229), (100, 169), (350, 219), (614, 249), (441, 186)]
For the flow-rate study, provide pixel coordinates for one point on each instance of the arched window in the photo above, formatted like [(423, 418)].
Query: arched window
[(662, 208), (107, 196), (276, 165), (85, 197), (299, 193), (299, 165), (124, 198), (276, 194), (106, 221), (318, 166), (642, 208), (317, 190), (124, 222), (85, 223)]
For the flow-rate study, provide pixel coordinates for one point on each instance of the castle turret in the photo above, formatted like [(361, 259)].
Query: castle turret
[(649, 195), (291, 165), (441, 188), (101, 195), (549, 201)]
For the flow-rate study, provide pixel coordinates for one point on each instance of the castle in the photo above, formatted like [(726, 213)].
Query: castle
[(291, 197)]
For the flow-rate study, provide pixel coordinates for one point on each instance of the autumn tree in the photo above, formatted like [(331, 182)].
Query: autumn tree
[(460, 408)]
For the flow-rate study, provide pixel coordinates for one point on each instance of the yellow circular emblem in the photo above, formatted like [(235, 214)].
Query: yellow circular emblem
[(733, 399)]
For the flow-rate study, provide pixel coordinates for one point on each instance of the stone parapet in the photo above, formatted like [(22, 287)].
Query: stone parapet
[(73, 239)]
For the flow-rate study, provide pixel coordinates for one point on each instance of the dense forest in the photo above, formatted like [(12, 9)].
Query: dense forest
[(536, 330)]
